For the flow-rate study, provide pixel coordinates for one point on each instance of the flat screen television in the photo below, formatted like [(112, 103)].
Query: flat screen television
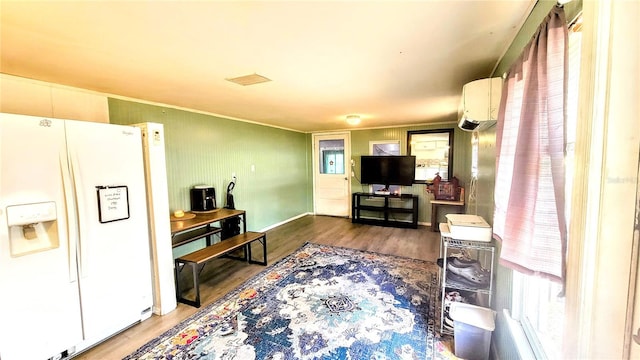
[(388, 170)]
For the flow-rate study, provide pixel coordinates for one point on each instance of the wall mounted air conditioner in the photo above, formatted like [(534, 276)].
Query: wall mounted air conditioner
[(479, 104)]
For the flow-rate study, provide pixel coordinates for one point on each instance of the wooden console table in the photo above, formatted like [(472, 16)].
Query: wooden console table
[(201, 226), (434, 210)]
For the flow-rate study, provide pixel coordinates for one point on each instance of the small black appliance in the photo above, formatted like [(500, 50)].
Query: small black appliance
[(203, 198), (230, 227)]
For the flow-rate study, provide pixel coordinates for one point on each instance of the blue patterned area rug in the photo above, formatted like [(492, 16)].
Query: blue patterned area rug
[(321, 302)]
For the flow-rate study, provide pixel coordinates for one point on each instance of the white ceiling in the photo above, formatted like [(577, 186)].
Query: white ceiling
[(392, 62)]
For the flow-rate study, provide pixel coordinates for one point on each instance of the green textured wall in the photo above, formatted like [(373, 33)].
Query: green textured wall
[(204, 149), (530, 26), (461, 159), (503, 276)]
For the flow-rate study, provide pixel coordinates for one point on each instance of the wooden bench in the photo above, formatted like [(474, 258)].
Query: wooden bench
[(198, 259)]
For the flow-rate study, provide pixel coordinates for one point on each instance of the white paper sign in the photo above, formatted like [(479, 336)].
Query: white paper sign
[(113, 203)]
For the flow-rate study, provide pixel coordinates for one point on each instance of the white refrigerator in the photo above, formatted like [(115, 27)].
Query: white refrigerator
[(74, 241)]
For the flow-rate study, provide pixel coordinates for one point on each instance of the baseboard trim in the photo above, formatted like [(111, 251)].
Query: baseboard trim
[(312, 213), (285, 221)]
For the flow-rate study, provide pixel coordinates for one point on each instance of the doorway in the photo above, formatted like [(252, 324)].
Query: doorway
[(332, 174)]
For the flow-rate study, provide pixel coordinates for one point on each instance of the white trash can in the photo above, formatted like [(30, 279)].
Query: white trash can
[(472, 328)]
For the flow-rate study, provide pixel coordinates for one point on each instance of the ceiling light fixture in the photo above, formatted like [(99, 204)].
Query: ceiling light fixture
[(353, 119)]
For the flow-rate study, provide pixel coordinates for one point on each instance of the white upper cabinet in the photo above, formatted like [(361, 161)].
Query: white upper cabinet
[(36, 98)]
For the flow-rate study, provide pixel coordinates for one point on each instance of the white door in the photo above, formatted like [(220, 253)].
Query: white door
[(332, 173), (39, 301), (113, 262)]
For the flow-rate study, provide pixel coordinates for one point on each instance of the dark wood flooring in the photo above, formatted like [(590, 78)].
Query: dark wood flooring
[(223, 275)]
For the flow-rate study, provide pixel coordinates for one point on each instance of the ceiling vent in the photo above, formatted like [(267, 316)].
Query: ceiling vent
[(249, 79)]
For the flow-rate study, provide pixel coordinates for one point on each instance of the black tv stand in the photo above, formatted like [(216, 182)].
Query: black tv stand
[(385, 209)]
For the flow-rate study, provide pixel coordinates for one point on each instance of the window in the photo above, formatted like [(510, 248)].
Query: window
[(538, 304), (332, 157)]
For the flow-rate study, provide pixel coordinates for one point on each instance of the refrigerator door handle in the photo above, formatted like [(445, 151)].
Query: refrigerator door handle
[(82, 246), (72, 224)]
